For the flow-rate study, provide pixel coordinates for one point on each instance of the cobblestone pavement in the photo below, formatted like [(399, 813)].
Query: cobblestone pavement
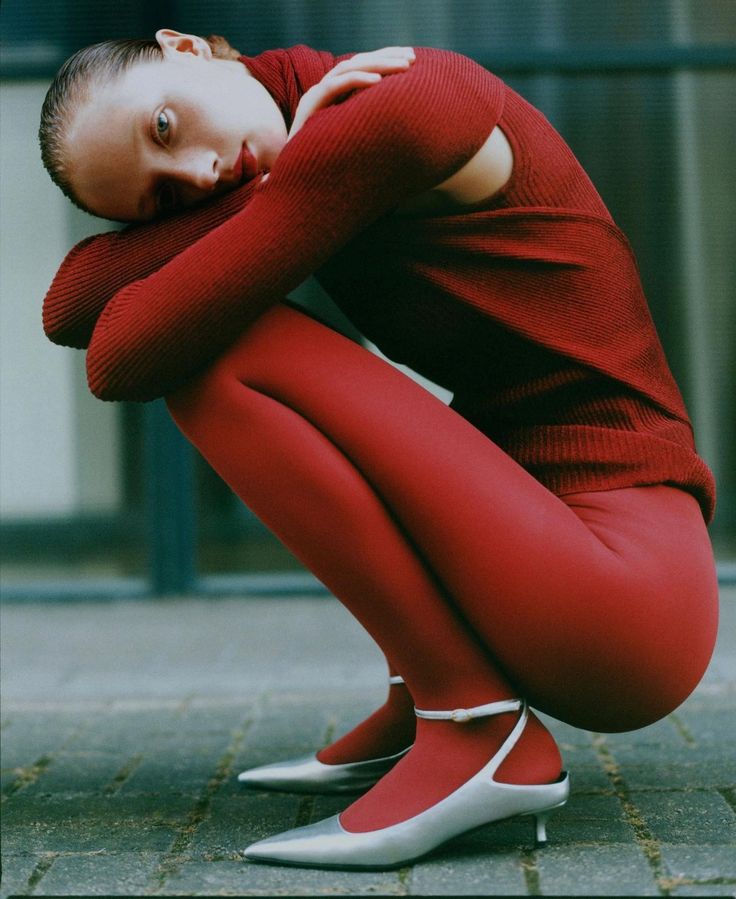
[(124, 725)]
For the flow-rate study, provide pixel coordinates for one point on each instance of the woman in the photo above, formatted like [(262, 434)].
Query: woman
[(541, 542)]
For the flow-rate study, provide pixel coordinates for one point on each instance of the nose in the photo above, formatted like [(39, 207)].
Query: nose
[(199, 172)]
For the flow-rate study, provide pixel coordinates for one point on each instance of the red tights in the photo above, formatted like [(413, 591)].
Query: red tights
[(477, 583)]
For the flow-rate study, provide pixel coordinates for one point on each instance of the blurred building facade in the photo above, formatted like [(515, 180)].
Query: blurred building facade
[(107, 499)]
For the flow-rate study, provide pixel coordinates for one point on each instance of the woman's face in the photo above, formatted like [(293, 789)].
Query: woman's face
[(168, 134)]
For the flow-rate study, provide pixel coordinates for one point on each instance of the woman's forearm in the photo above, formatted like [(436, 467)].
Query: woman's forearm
[(349, 165), (99, 267)]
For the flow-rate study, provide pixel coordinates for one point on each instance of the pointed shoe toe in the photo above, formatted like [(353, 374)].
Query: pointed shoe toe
[(327, 844), (307, 774), (308, 846)]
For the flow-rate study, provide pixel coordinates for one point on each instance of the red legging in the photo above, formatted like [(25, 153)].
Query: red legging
[(600, 608)]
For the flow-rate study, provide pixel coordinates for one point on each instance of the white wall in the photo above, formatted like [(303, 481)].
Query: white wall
[(47, 467)]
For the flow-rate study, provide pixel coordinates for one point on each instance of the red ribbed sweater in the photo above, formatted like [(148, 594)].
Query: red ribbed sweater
[(528, 307)]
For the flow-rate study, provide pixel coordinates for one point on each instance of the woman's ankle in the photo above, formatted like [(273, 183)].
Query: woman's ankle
[(535, 758), (447, 754)]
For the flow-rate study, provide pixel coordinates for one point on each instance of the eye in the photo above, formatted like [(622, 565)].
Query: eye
[(162, 125), (166, 199)]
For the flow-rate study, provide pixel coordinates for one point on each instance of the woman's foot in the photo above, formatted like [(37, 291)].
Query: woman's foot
[(445, 755), (390, 729), (431, 796)]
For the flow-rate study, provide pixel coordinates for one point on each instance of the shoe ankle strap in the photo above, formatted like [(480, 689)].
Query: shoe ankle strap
[(396, 679), (478, 711)]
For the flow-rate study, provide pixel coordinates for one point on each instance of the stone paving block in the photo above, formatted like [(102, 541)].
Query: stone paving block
[(211, 716), (231, 787), (700, 862), (181, 740), (243, 878), (182, 770), (492, 873), (127, 730), (27, 736), (130, 730), (99, 874), (697, 817), (588, 779), (704, 774), (710, 721), (662, 732), (77, 772), (611, 869), (16, 871), (669, 752), (302, 705), (192, 645), (164, 807), (589, 818), (90, 823), (232, 823)]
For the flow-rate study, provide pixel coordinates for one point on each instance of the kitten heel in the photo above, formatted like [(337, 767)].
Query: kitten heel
[(540, 820)]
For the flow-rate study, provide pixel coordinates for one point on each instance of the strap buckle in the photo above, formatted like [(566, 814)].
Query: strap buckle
[(462, 716)]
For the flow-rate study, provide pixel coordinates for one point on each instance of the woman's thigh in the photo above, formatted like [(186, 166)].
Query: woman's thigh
[(600, 606)]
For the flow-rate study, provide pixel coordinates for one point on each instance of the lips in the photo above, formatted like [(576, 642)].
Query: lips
[(247, 163)]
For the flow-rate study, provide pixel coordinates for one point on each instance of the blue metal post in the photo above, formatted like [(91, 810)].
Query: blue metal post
[(171, 504)]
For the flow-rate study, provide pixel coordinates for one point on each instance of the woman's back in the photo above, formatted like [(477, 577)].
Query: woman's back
[(528, 306)]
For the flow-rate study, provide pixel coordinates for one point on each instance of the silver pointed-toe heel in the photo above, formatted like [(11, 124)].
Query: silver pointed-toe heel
[(478, 801), (307, 774)]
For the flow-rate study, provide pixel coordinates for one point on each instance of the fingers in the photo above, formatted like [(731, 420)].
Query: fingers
[(336, 85), (385, 61), (361, 71)]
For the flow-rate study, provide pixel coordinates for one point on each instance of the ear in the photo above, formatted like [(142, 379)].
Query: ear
[(173, 42)]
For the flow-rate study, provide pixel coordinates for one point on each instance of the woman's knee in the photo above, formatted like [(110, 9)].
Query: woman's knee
[(202, 394), (268, 345)]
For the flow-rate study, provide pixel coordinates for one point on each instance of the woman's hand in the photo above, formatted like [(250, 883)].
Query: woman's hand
[(361, 71), (356, 73)]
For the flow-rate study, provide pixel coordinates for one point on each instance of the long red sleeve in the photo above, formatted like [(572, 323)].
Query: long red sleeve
[(348, 166), (99, 266)]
